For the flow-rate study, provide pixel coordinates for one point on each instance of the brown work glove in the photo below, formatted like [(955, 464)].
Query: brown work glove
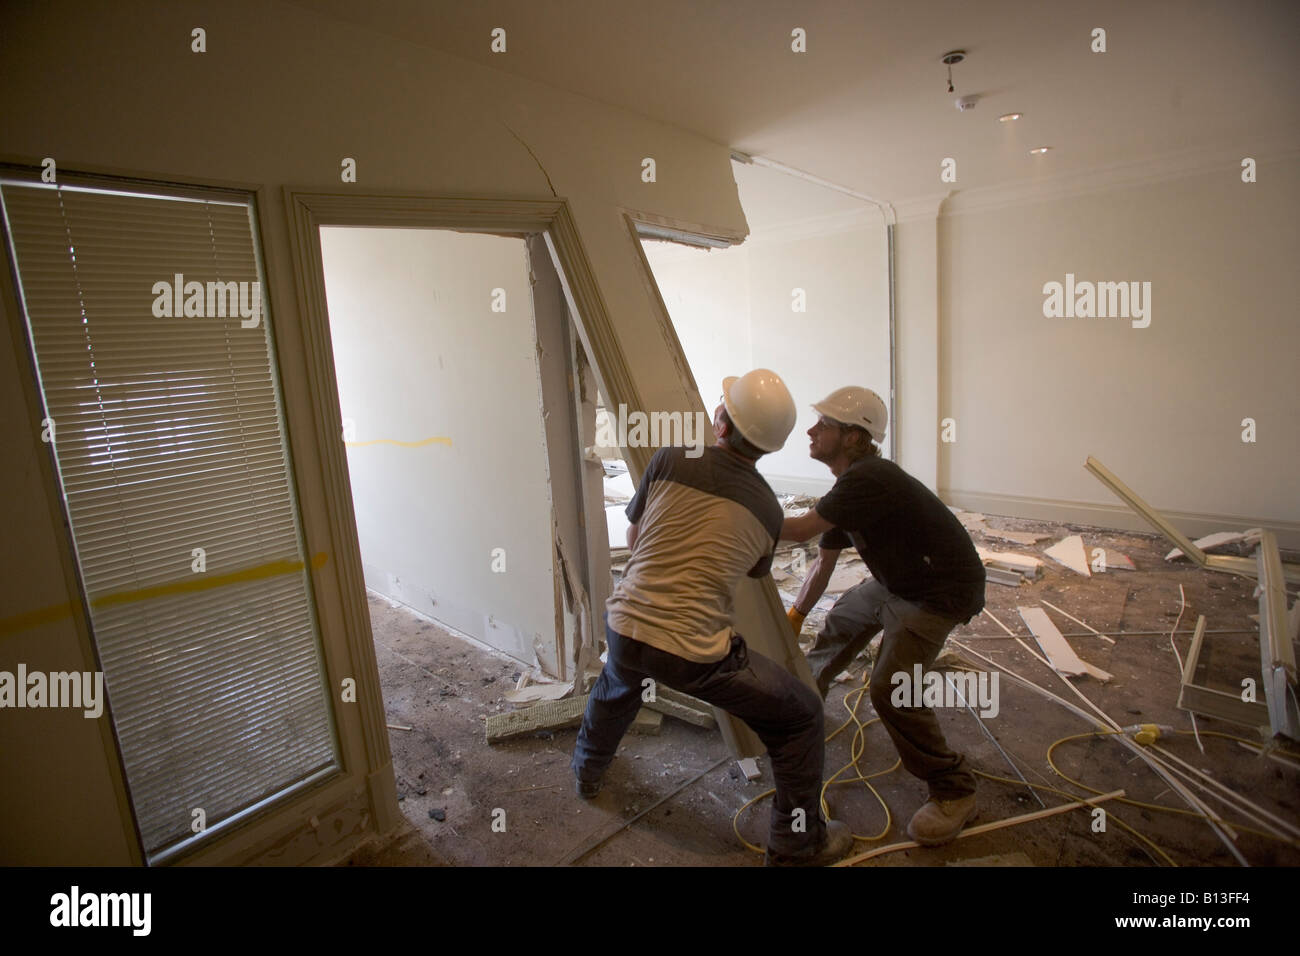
[(796, 619)]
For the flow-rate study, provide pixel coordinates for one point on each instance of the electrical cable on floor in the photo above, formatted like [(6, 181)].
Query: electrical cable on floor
[(856, 752), (1155, 806), (578, 854), (1159, 767), (857, 749)]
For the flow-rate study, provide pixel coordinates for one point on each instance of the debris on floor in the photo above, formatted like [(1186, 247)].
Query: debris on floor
[(1220, 539), (1069, 552)]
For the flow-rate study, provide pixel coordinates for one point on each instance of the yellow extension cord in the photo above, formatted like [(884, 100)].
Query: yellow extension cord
[(853, 700)]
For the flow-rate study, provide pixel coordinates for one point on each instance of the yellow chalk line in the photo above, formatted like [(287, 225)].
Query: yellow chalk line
[(47, 615), (401, 444)]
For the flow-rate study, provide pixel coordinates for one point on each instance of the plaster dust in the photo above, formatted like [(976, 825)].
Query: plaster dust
[(443, 687)]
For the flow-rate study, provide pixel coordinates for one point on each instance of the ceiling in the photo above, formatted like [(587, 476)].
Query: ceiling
[(867, 105)]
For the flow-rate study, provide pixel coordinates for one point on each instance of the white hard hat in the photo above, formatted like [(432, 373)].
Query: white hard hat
[(853, 405), (760, 407)]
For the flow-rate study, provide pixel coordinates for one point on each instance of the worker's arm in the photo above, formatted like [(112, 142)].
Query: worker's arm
[(632, 531), (814, 585), (804, 526)]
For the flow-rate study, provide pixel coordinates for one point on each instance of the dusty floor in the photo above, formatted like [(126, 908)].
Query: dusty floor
[(453, 786)]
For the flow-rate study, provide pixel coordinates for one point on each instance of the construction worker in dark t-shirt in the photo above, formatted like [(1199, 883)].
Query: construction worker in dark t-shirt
[(926, 578)]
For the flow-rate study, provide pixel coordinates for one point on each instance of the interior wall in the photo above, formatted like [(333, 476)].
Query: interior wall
[(841, 339), (1161, 406), (420, 354), (734, 310), (281, 98), (706, 293), (916, 329)]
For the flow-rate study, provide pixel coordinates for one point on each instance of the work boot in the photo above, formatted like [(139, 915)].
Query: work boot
[(839, 840), (939, 821), (587, 789)]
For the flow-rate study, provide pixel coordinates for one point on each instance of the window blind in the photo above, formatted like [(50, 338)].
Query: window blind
[(169, 442)]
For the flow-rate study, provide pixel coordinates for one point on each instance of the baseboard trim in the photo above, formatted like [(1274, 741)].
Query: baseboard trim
[(1117, 516)]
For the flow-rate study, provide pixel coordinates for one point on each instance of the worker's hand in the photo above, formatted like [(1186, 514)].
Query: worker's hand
[(796, 619)]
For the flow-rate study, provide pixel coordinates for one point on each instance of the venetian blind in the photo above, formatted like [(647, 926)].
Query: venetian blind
[(169, 442)]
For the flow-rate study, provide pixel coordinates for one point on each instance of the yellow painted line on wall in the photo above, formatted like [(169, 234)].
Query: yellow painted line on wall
[(439, 440), (47, 615)]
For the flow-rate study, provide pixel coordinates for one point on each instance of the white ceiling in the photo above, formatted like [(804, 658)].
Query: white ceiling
[(867, 105)]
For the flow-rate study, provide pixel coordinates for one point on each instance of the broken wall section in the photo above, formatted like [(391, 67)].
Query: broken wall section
[(435, 357), (813, 308)]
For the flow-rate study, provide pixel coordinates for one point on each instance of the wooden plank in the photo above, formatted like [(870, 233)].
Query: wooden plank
[(1277, 656), (1224, 706), (1077, 621), (1217, 562), (1058, 651), (1157, 520), (1194, 653), (988, 827)]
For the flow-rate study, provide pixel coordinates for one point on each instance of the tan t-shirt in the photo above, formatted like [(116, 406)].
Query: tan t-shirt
[(703, 523)]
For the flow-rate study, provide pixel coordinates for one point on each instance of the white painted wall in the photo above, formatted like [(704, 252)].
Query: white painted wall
[(732, 310), (420, 354), (1162, 406)]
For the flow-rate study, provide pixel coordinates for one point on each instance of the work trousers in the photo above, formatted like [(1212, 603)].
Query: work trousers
[(912, 636), (785, 713)]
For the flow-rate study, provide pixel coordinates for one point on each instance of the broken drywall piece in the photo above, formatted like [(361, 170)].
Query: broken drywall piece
[(537, 692), (971, 520), (1026, 538), (1025, 564), (1001, 576), (556, 715), (1059, 653), (1069, 552), (674, 703), (1118, 561), (1219, 539), (749, 767), (648, 722)]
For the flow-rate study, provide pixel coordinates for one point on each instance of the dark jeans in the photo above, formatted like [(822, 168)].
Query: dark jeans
[(913, 635), (786, 715)]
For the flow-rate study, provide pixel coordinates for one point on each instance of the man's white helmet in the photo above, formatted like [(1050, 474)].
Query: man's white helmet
[(760, 407), (853, 405)]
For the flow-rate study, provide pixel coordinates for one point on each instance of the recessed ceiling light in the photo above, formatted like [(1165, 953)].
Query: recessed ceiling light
[(1039, 150), (1008, 117)]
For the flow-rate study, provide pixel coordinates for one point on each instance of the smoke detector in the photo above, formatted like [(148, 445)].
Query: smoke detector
[(964, 103)]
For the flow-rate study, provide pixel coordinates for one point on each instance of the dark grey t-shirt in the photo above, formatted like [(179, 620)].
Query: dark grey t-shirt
[(910, 541)]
